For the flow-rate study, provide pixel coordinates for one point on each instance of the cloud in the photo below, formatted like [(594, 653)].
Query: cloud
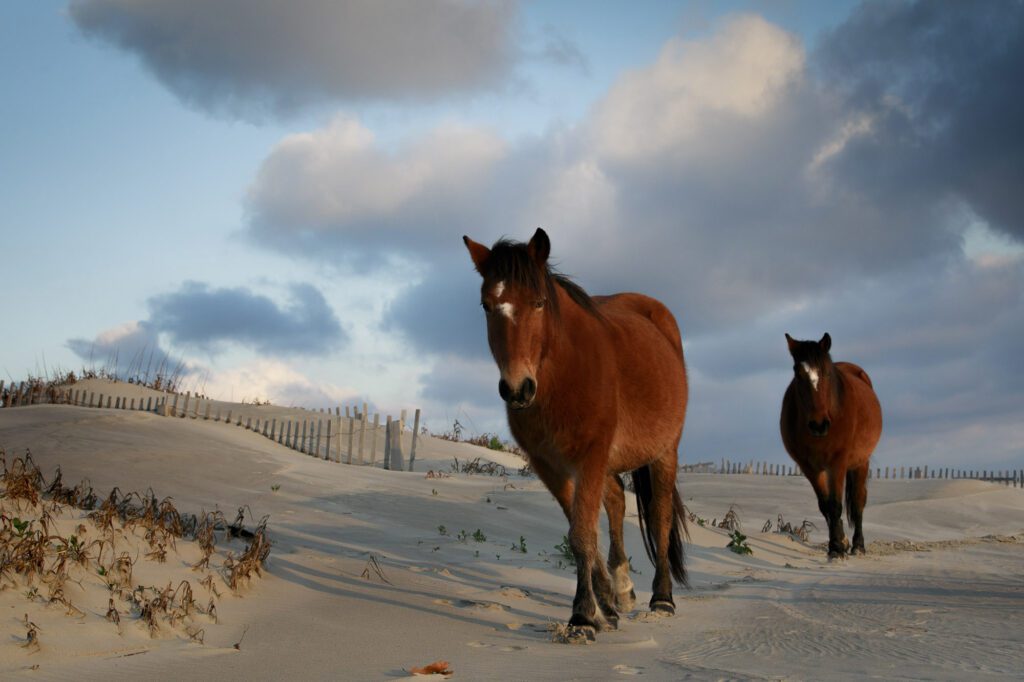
[(241, 56), (739, 74), (336, 187), (936, 78), (277, 381), (206, 318), (754, 187), (130, 351)]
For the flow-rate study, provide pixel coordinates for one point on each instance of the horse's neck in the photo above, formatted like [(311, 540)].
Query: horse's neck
[(570, 339), (838, 389)]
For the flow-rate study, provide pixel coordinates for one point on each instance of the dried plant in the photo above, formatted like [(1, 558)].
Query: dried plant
[(251, 559), (802, 531), (731, 520)]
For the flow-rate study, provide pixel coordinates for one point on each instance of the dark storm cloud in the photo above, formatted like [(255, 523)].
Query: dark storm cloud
[(197, 315), (940, 79), (237, 56)]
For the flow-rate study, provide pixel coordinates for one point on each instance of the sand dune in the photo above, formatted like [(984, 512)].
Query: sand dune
[(938, 596)]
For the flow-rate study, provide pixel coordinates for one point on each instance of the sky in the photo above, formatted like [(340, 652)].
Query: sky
[(274, 195)]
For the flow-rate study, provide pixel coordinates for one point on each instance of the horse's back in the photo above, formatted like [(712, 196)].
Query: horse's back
[(626, 304), (856, 371)]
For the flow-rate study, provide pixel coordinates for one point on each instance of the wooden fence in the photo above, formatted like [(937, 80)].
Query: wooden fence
[(351, 438), (1004, 476)]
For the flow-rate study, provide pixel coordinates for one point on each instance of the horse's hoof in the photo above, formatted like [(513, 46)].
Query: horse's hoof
[(663, 608), (858, 550), (625, 601), (611, 621), (580, 634), (835, 555)]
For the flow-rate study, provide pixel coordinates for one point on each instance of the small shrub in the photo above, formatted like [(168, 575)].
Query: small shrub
[(738, 543)]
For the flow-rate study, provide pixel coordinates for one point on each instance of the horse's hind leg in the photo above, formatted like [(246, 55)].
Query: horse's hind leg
[(618, 562), (856, 498), (665, 533)]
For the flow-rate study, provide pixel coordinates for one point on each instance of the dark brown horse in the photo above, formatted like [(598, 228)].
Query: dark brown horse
[(831, 422), (594, 387)]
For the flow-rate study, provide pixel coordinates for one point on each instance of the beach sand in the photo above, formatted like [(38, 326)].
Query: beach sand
[(939, 596)]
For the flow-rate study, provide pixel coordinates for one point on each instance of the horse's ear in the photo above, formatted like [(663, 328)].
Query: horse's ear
[(826, 342), (791, 342), (539, 247), (478, 252)]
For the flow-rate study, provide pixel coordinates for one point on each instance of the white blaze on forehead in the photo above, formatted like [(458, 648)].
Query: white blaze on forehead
[(499, 289), (506, 309), (812, 374)]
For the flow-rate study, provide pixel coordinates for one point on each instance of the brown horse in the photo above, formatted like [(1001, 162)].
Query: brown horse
[(831, 422), (593, 387)]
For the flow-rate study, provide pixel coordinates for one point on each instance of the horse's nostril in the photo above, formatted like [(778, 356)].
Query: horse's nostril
[(529, 389), (819, 428), (504, 390)]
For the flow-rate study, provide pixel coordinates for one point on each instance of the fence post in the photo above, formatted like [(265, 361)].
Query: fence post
[(351, 437), (387, 443), (373, 439), (319, 432), (415, 435), (288, 438), (362, 432)]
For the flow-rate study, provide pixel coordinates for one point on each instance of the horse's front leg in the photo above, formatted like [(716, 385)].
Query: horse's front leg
[(592, 608), (828, 486), (618, 562)]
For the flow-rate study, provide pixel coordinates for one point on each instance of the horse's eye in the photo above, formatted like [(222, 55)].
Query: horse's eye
[(539, 303)]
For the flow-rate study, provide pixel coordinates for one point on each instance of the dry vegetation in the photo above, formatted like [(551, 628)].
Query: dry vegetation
[(108, 541)]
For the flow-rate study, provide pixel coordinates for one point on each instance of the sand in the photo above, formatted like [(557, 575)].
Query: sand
[(939, 596)]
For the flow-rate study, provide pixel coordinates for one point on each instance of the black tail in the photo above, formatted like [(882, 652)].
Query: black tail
[(848, 500), (644, 489)]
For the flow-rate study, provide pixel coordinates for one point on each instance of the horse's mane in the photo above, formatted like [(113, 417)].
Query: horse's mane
[(511, 261)]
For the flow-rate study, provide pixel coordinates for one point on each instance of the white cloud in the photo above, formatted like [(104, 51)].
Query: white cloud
[(740, 72), (339, 181), (274, 380)]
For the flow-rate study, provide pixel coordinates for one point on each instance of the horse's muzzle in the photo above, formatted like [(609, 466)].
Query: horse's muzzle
[(819, 429), (520, 397)]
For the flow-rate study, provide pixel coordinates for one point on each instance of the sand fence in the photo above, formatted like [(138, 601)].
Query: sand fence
[(348, 438), (1006, 476)]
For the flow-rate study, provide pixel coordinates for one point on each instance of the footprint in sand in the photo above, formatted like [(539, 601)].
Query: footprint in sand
[(472, 604), (485, 645), (629, 669)]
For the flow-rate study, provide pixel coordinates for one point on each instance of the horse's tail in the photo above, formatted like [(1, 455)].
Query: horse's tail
[(644, 489), (848, 500)]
